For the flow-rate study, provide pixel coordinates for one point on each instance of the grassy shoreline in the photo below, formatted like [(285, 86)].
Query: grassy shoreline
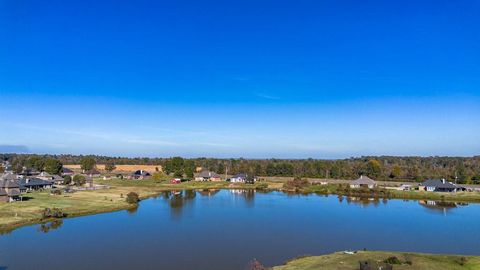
[(407, 261), (18, 214)]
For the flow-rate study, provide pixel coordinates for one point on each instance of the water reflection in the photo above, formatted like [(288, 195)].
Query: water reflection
[(247, 194), (439, 206), (48, 226), (208, 192), (185, 230), (362, 201)]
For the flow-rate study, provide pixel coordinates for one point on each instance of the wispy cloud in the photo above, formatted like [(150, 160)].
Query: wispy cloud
[(266, 96)]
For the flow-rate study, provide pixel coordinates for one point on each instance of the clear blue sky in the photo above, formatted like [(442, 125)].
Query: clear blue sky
[(291, 79)]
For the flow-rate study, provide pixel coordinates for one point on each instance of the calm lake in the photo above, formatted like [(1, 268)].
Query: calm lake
[(226, 229)]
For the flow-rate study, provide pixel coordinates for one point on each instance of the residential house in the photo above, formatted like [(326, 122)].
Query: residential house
[(242, 178), (9, 191), (7, 167), (363, 181), (437, 185), (9, 176), (139, 175), (34, 183), (29, 171), (207, 176), (67, 171), (92, 173), (56, 179)]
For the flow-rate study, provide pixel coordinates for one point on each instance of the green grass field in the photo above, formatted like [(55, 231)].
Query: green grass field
[(341, 261)]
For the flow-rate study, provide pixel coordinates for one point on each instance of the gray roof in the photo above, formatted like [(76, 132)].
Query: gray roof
[(437, 183), (66, 170), (8, 184), (33, 182), (9, 176), (364, 180)]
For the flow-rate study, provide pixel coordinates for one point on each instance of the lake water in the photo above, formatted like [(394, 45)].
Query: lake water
[(227, 229)]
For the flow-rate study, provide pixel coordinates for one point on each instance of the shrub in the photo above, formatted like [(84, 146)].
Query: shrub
[(392, 260), (462, 261), (53, 213), (296, 184), (67, 180), (262, 186), (79, 180), (157, 176), (132, 198)]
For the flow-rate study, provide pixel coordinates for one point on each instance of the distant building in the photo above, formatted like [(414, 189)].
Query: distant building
[(437, 185), (9, 191), (34, 183), (56, 179), (92, 173), (207, 176), (139, 175), (67, 171), (242, 178), (363, 181), (9, 176), (176, 181)]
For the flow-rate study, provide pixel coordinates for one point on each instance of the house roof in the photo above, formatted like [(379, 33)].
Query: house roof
[(141, 172), (33, 182), (364, 180), (57, 177), (9, 176), (437, 183), (66, 170), (8, 184)]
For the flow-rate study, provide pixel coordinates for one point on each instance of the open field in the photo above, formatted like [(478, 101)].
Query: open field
[(121, 168), (341, 261)]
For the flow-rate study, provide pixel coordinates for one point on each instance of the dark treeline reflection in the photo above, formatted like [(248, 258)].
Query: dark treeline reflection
[(362, 200), (49, 226)]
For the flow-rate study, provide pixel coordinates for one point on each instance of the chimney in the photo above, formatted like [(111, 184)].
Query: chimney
[(443, 180)]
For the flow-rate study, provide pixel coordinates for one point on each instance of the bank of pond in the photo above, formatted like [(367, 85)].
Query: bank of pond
[(226, 229)]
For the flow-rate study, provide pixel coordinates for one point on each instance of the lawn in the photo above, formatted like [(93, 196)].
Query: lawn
[(341, 261)]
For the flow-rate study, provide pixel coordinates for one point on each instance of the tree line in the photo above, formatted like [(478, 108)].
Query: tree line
[(460, 169)]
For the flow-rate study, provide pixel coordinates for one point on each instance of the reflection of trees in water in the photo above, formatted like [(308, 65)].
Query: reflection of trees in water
[(361, 200), (247, 194), (208, 192), (48, 226), (132, 210), (179, 199)]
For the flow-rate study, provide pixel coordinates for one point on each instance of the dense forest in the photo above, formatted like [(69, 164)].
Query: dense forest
[(461, 169)]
